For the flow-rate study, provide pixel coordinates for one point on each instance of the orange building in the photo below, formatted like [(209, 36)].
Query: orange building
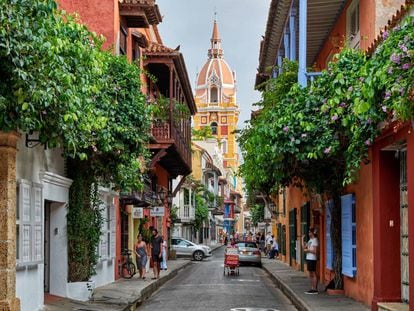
[(130, 28), (380, 269)]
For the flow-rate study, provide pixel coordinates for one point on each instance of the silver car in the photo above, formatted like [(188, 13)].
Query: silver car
[(184, 247), (249, 253)]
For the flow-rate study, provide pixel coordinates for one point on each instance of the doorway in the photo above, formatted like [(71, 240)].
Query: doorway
[(46, 248), (292, 235), (405, 286)]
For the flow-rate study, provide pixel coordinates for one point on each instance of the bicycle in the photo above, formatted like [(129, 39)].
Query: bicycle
[(128, 268)]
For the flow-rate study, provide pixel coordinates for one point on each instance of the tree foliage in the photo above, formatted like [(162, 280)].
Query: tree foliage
[(319, 135), (57, 81)]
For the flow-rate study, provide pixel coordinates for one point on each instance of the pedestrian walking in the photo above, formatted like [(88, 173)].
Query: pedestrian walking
[(156, 253), (311, 250), (141, 256), (164, 254)]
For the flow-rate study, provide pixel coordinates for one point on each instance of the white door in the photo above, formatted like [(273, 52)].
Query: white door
[(404, 226)]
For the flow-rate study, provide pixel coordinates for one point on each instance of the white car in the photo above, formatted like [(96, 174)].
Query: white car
[(184, 247)]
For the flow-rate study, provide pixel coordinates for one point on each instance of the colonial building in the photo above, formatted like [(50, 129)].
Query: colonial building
[(376, 235), (216, 100)]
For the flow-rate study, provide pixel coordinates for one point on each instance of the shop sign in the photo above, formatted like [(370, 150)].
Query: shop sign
[(157, 211), (137, 212)]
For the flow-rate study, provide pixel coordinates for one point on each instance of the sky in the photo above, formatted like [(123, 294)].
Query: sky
[(189, 23)]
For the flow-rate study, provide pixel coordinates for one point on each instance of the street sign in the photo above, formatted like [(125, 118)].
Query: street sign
[(137, 212), (157, 211)]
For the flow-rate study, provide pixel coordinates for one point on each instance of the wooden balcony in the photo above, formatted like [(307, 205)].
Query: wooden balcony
[(176, 145), (171, 133), (140, 13)]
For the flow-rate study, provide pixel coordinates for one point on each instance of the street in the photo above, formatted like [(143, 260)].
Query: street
[(202, 286)]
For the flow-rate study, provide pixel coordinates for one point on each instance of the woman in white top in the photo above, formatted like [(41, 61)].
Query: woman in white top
[(311, 250)]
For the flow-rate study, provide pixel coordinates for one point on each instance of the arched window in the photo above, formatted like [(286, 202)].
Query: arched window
[(214, 94), (213, 128)]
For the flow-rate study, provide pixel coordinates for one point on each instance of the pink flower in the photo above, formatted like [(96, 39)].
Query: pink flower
[(334, 118), (385, 35), (405, 66), (395, 58), (327, 150), (368, 142), (384, 108), (286, 129)]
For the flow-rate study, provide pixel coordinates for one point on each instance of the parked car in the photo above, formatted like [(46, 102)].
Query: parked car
[(249, 253), (184, 247)]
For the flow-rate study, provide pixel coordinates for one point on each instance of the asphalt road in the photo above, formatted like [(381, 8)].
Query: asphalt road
[(203, 287)]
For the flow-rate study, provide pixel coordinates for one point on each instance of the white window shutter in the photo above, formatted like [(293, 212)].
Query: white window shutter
[(25, 227), (26, 232), (37, 223), (113, 230), (26, 201), (102, 248)]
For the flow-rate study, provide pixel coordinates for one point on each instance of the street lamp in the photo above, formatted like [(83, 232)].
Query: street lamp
[(162, 193), (170, 198)]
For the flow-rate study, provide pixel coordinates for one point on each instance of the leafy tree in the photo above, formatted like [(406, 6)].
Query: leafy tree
[(257, 213), (57, 81)]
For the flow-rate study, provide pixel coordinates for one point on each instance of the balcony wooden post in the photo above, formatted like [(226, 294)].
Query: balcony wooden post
[(171, 96)]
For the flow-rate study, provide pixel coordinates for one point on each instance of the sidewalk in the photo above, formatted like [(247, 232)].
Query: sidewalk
[(294, 284), (123, 294)]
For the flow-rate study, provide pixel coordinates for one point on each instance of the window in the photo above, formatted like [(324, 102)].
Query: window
[(213, 94), (107, 243), (224, 146), (348, 234), (136, 52), (352, 24), (329, 246), (29, 222), (122, 42), (213, 128)]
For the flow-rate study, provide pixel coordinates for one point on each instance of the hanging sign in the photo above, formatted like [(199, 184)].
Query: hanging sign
[(137, 212), (157, 211)]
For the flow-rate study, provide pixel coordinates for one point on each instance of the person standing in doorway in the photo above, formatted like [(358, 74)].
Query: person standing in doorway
[(311, 250), (156, 251)]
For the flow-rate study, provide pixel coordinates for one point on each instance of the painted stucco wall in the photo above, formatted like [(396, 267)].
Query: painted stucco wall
[(44, 167), (361, 287), (100, 16)]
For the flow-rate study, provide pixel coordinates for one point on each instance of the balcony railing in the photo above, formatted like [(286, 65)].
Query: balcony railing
[(186, 213), (163, 132)]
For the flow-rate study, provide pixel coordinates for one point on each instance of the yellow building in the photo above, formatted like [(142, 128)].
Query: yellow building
[(215, 97)]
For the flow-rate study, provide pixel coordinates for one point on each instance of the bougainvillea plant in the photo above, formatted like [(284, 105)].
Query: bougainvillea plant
[(319, 135)]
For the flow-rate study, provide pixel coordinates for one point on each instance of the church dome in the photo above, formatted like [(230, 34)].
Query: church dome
[(216, 81)]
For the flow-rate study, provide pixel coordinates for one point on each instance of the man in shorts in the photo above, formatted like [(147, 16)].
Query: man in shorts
[(156, 251)]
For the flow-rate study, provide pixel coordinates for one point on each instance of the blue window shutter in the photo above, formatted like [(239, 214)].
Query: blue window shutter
[(329, 248), (348, 227)]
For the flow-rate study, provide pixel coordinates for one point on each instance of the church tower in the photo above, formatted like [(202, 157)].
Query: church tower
[(215, 97)]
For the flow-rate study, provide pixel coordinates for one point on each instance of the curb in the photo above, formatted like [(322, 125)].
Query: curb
[(296, 300), (151, 288)]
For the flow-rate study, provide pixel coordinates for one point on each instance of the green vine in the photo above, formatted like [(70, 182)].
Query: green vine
[(84, 221)]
